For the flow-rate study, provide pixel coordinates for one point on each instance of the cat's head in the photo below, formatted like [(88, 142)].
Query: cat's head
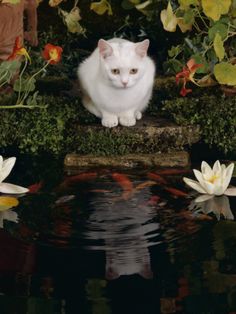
[(123, 62)]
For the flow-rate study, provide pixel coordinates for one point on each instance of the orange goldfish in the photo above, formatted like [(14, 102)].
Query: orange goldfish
[(176, 192), (156, 177), (125, 183)]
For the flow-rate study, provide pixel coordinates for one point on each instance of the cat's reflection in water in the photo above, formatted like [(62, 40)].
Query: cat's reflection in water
[(126, 230)]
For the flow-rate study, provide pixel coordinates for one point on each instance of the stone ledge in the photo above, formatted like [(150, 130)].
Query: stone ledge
[(174, 159), (150, 135)]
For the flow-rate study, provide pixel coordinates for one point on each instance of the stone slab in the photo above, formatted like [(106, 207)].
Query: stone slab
[(174, 159), (149, 136)]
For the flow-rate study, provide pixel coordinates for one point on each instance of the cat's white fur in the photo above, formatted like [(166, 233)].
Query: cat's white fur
[(117, 98)]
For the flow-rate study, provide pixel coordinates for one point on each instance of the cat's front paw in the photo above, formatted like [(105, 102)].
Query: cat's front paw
[(110, 122), (138, 115), (127, 121)]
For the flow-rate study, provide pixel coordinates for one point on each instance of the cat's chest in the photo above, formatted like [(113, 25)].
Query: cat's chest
[(118, 96)]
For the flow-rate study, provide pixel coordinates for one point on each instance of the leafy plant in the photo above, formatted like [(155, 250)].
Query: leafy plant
[(210, 40)]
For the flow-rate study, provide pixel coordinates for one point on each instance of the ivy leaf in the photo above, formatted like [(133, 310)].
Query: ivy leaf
[(225, 73), (218, 28), (101, 7), (215, 8), (168, 18), (219, 47)]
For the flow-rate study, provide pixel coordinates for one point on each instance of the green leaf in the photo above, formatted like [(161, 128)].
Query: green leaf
[(11, 66), (219, 47), (127, 5), (172, 66), (218, 28), (225, 73), (215, 8), (101, 7), (189, 17), (185, 4), (175, 51), (169, 19), (199, 59), (25, 85)]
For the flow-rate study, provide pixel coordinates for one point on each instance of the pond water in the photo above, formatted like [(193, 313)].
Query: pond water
[(109, 241)]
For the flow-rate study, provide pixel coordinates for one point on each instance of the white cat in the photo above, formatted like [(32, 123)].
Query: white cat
[(117, 80)]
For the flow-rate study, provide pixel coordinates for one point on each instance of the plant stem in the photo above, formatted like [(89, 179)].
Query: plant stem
[(21, 106), (20, 79), (4, 82), (25, 95)]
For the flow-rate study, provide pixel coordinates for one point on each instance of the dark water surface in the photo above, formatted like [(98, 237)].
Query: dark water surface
[(108, 241)]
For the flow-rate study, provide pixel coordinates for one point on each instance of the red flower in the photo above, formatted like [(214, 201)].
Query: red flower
[(18, 49), (52, 53), (186, 75)]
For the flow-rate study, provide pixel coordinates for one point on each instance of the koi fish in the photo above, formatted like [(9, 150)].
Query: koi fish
[(156, 177), (87, 176), (153, 200), (173, 171), (176, 192), (100, 191), (144, 185), (125, 184), (34, 188)]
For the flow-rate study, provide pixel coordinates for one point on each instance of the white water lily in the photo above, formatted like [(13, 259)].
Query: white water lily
[(213, 181), (218, 205), (5, 169)]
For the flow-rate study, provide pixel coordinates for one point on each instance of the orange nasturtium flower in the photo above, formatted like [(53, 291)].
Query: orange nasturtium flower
[(18, 50), (52, 53), (186, 75)]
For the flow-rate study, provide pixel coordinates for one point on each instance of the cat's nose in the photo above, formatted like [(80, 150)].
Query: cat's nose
[(124, 83)]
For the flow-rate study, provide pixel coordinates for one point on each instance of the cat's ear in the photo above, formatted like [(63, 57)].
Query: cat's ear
[(104, 48), (142, 47)]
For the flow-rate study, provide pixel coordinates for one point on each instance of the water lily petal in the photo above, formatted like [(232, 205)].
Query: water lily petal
[(206, 170), (209, 187), (9, 188), (203, 198), (217, 167), (1, 162), (199, 177), (230, 191), (195, 185), (229, 171), (223, 207), (7, 166), (8, 215)]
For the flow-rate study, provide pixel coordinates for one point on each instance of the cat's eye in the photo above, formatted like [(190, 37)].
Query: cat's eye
[(115, 71), (133, 71)]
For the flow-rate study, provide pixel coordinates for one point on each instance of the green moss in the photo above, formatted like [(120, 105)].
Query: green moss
[(215, 114), (38, 130)]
